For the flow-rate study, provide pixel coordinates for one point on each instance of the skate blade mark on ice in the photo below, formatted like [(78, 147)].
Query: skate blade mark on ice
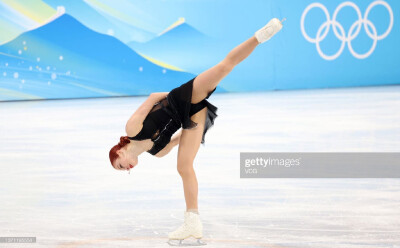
[(185, 242)]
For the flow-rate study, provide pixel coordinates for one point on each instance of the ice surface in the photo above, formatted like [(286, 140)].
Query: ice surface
[(56, 182)]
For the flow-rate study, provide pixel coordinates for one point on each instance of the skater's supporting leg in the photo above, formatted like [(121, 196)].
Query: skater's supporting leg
[(188, 146), (206, 81)]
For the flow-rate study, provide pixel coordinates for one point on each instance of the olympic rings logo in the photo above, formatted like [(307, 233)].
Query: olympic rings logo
[(350, 35)]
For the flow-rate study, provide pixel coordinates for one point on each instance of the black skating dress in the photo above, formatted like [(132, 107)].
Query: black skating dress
[(172, 113)]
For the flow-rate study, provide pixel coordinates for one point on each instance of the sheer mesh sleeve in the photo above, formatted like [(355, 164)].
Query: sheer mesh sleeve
[(159, 104)]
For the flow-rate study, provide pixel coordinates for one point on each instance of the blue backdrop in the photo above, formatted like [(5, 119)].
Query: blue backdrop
[(95, 48)]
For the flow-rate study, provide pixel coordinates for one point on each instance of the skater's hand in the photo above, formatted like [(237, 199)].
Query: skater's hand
[(176, 138), (173, 142)]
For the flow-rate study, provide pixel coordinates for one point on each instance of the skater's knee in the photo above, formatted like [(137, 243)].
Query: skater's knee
[(226, 65), (185, 168)]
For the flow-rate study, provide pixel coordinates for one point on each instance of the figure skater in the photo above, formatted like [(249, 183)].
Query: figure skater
[(151, 127)]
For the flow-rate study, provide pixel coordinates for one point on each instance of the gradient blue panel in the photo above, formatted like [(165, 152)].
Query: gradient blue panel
[(95, 52)]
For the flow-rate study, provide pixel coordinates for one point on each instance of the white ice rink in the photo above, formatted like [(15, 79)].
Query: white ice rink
[(57, 184)]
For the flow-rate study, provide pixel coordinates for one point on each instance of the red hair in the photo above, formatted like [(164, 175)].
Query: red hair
[(123, 141)]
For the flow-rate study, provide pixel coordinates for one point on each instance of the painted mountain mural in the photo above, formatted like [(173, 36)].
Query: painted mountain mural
[(101, 21), (183, 46), (65, 59)]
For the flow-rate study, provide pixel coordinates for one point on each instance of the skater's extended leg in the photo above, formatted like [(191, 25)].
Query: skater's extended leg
[(206, 81), (188, 146)]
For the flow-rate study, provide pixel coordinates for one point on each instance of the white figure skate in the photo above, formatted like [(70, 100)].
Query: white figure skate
[(265, 33), (192, 227)]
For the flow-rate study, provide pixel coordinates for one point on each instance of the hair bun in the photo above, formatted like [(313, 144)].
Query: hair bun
[(123, 141)]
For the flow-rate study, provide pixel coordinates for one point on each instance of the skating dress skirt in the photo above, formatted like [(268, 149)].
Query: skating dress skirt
[(172, 113)]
